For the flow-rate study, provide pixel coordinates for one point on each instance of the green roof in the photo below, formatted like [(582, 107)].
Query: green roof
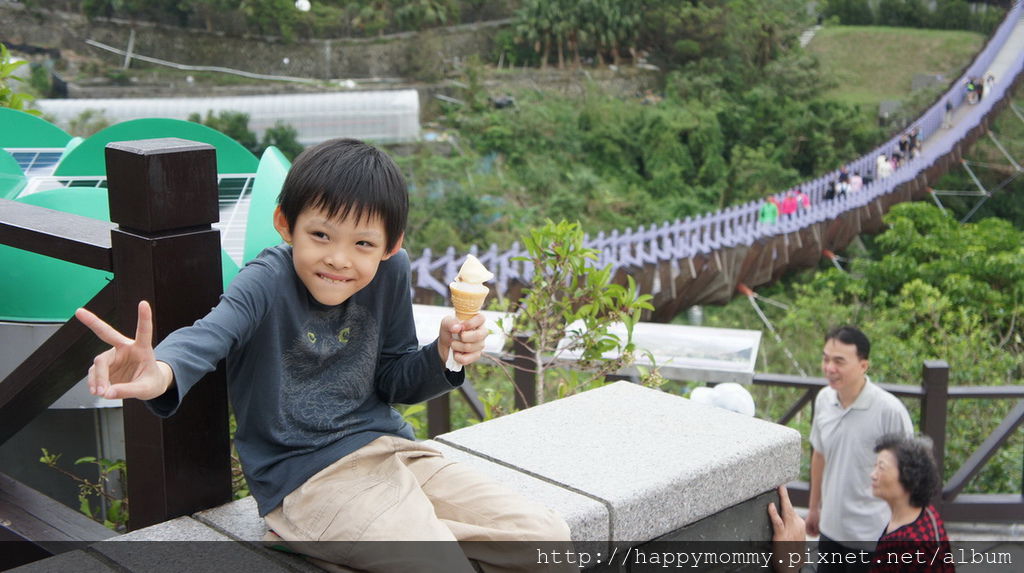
[(259, 228), (88, 158), (44, 289), (12, 180), (26, 130)]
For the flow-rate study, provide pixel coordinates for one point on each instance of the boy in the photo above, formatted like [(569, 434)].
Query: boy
[(319, 340)]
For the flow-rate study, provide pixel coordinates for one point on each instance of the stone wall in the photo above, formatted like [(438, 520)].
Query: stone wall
[(421, 56)]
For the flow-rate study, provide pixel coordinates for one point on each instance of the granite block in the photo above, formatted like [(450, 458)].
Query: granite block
[(658, 460), (180, 529), (183, 544), (77, 561), (239, 519)]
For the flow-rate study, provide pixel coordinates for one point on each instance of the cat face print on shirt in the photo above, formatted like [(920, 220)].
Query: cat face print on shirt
[(329, 368)]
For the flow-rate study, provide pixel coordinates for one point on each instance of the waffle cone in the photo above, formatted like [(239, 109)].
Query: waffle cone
[(467, 304)]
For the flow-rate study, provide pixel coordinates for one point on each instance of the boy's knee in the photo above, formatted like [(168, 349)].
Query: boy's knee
[(548, 526)]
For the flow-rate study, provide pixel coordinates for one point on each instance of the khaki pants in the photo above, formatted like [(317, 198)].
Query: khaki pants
[(372, 509)]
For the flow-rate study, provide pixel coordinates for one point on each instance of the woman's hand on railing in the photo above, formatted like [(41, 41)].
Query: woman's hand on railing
[(129, 369)]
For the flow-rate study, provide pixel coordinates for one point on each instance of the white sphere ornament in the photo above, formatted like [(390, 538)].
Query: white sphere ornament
[(302, 5), (730, 396)]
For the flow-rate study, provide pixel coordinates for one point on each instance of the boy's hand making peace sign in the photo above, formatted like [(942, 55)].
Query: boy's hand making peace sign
[(129, 369)]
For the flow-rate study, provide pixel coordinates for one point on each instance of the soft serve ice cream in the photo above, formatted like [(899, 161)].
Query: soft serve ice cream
[(468, 290)]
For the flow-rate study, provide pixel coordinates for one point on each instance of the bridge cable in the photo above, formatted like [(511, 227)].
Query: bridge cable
[(983, 192), (935, 197), (1005, 152), (751, 296), (999, 187), (1013, 107), (836, 259)]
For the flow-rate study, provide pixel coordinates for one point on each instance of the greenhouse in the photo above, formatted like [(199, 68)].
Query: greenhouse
[(379, 116)]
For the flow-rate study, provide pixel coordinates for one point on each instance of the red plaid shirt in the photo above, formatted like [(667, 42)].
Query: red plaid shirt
[(918, 547)]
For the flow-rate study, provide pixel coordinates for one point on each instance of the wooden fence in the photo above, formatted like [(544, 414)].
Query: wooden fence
[(161, 248)]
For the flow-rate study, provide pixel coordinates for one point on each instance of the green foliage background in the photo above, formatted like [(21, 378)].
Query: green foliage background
[(928, 288)]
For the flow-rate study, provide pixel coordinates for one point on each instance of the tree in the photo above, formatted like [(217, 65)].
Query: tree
[(682, 32), (758, 32), (272, 17), (597, 23), (418, 14), (535, 27), (88, 122), (234, 124), (283, 137), (850, 12), (569, 307), (932, 289), (755, 174), (9, 97), (207, 9)]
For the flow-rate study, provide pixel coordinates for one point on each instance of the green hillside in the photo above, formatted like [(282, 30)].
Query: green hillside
[(871, 64)]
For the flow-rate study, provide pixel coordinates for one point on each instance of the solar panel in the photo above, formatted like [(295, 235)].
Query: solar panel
[(36, 162)]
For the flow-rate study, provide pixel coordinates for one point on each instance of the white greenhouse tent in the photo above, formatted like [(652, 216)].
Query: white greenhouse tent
[(385, 116)]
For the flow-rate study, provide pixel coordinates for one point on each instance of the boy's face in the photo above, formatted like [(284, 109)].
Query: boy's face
[(334, 258)]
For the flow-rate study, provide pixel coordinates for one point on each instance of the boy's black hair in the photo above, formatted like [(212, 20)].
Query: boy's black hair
[(918, 473), (346, 177), (851, 335)]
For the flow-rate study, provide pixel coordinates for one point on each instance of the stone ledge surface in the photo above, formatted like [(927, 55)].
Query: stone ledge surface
[(587, 517), (659, 461), (78, 561), (619, 463), (182, 544)]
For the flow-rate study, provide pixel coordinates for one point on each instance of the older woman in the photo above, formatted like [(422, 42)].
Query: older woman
[(914, 540), (905, 477)]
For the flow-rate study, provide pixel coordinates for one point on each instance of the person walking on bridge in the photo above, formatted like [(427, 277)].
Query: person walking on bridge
[(947, 119), (769, 211)]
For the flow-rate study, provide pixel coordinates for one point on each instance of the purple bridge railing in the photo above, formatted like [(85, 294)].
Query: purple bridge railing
[(703, 259)]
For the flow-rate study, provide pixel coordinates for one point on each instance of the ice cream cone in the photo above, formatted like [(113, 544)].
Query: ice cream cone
[(468, 301)]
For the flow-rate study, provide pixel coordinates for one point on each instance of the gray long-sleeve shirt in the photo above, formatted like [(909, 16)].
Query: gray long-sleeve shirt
[(309, 383)]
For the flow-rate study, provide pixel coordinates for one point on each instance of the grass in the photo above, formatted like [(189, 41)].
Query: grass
[(873, 64)]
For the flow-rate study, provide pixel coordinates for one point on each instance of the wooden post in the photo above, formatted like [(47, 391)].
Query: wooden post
[(524, 377), (163, 196), (439, 415), (934, 404)]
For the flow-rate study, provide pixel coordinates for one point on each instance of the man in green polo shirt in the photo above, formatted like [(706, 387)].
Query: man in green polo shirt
[(850, 414)]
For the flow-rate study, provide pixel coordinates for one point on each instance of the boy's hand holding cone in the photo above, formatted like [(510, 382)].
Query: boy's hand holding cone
[(468, 295)]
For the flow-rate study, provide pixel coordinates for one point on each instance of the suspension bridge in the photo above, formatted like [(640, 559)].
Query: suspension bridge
[(711, 258)]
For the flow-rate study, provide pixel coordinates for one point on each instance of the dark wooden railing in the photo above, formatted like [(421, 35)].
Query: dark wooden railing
[(161, 248), (935, 396)]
